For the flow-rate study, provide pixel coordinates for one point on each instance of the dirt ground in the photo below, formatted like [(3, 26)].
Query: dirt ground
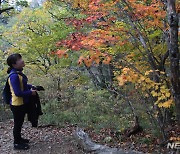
[(43, 140)]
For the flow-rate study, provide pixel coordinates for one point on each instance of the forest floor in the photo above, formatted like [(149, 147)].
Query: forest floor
[(49, 139), (43, 140)]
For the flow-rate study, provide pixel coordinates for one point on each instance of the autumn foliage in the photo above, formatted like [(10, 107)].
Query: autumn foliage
[(121, 27)]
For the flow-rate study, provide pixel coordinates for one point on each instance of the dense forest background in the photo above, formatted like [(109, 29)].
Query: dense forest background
[(106, 65)]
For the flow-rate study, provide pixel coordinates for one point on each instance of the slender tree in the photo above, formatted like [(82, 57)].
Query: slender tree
[(174, 54)]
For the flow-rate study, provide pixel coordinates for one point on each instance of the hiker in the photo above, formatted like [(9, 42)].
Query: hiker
[(21, 93)]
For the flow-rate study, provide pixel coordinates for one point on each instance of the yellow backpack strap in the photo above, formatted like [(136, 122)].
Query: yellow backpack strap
[(20, 79)]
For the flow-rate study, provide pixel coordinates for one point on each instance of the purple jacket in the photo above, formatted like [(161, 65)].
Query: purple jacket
[(14, 79)]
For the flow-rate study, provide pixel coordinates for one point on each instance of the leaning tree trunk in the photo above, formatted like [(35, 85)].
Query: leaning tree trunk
[(174, 54)]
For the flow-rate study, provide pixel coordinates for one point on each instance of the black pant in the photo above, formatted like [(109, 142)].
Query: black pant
[(18, 114)]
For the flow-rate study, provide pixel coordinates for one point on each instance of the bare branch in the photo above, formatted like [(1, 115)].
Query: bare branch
[(6, 9)]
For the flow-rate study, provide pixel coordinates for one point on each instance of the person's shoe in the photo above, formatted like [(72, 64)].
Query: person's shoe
[(24, 140), (21, 146)]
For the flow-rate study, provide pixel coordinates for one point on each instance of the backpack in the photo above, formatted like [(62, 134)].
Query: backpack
[(6, 94)]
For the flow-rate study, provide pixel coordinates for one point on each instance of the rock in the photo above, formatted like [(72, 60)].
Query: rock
[(89, 146)]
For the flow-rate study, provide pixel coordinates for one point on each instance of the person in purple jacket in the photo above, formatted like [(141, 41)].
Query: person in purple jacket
[(20, 92)]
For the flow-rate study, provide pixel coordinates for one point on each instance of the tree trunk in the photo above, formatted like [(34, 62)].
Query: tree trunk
[(174, 55)]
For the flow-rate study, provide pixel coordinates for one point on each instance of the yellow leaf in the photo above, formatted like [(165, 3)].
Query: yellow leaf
[(121, 81), (156, 102), (163, 87), (162, 97), (147, 80), (162, 72), (166, 104), (142, 78), (148, 86), (139, 81), (146, 95), (143, 88), (147, 73), (156, 87), (167, 94), (154, 94)]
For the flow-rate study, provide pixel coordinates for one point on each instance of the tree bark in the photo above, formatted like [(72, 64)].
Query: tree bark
[(174, 54), (6, 9), (85, 142)]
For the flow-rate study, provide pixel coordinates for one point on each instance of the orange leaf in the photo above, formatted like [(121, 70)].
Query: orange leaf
[(81, 58)]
